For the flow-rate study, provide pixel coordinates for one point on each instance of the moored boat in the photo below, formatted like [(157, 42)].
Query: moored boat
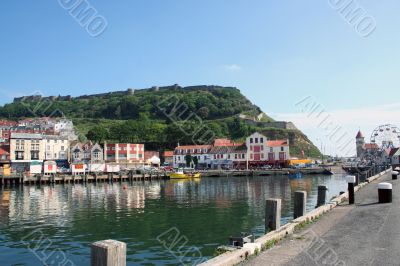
[(180, 174)]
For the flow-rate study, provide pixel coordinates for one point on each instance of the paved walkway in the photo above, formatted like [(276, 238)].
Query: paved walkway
[(366, 233)]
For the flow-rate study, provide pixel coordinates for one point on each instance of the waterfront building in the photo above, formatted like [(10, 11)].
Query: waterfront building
[(169, 157), (57, 147), (278, 152), (127, 154), (87, 157), (256, 149), (228, 156), (201, 152), (27, 152)]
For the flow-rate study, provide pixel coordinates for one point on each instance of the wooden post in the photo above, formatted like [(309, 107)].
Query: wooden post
[(272, 214), (300, 199), (321, 200), (108, 253)]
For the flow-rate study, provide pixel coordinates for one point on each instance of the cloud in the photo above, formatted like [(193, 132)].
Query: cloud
[(319, 125), (232, 67)]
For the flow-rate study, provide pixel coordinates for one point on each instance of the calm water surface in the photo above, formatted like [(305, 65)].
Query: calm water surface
[(60, 222)]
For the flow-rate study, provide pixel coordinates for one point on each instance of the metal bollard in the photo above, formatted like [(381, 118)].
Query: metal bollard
[(395, 175), (385, 192)]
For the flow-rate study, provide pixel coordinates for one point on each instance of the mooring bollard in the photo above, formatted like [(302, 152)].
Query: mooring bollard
[(385, 192), (394, 175), (321, 200), (351, 180), (300, 198), (272, 214), (108, 253)]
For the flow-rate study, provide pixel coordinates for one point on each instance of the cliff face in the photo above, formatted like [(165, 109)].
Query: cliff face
[(152, 115)]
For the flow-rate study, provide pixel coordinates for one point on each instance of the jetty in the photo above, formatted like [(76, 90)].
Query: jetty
[(21, 179)]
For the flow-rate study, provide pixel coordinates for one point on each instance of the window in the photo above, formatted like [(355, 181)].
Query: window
[(251, 140), (271, 149), (256, 140), (34, 155), (19, 155), (261, 140), (96, 155), (229, 156), (281, 148), (62, 148), (242, 156), (262, 147)]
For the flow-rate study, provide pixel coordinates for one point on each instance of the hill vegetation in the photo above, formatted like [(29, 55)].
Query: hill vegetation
[(159, 117)]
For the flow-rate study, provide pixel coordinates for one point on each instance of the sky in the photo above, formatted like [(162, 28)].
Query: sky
[(276, 52)]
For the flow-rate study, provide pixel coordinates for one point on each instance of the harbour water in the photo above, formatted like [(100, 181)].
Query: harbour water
[(60, 222)]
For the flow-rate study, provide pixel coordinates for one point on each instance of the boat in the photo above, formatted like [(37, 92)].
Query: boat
[(180, 174), (295, 175)]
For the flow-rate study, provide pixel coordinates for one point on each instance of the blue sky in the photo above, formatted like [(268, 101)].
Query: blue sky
[(276, 52)]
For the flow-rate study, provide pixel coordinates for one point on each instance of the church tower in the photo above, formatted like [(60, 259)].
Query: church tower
[(360, 143)]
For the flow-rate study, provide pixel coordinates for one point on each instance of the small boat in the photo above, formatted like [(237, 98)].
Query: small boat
[(295, 175), (180, 174)]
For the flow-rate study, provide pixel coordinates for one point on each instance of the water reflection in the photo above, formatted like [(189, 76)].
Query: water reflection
[(206, 211)]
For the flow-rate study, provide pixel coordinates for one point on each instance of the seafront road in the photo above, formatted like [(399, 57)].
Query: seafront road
[(366, 233)]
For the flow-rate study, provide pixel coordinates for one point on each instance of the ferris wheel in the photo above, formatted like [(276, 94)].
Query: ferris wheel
[(386, 136)]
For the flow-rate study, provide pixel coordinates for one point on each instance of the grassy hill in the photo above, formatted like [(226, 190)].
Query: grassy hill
[(160, 116)]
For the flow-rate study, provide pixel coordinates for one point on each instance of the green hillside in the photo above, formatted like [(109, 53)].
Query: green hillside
[(160, 117)]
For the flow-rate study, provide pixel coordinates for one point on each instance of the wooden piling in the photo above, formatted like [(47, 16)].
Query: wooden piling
[(272, 214), (350, 186), (108, 253), (300, 199), (321, 200)]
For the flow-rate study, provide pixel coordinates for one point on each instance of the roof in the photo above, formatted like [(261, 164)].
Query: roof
[(168, 153), (5, 150), (359, 135), (25, 136), (191, 147), (228, 149), (371, 146), (277, 143), (223, 142), (150, 154), (393, 151)]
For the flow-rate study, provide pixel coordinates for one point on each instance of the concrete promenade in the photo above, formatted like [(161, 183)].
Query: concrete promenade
[(366, 233)]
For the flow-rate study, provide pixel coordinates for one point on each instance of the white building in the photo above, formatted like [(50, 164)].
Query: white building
[(56, 147), (256, 147), (201, 152)]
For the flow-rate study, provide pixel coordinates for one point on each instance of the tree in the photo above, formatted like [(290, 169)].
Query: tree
[(195, 161), (203, 112), (188, 159), (98, 134)]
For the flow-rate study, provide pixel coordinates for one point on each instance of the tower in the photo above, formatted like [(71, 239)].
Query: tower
[(360, 143)]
